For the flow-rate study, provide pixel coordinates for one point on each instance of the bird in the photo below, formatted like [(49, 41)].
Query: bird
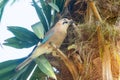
[(56, 35)]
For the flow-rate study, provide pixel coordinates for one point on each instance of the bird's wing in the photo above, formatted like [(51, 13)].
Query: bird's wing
[(48, 36)]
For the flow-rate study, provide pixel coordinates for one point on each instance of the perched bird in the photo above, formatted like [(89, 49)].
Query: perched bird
[(55, 35)]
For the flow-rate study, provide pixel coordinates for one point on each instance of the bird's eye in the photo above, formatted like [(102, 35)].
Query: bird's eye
[(65, 22)]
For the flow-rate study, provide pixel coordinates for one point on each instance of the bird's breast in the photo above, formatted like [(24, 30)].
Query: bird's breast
[(58, 38)]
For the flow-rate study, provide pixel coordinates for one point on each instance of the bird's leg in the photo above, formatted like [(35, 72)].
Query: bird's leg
[(54, 53)]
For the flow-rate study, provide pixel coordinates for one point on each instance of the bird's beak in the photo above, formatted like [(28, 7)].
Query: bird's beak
[(71, 22)]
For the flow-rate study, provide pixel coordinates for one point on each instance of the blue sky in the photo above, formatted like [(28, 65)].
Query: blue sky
[(21, 13)]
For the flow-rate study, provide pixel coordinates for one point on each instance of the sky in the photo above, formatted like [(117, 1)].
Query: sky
[(22, 14)]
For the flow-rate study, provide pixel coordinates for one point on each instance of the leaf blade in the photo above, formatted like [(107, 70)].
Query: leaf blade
[(16, 43), (8, 68), (47, 10), (54, 6), (2, 7), (41, 16), (45, 66), (38, 29), (23, 33)]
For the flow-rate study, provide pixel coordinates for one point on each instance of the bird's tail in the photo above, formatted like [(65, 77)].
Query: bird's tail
[(24, 63)]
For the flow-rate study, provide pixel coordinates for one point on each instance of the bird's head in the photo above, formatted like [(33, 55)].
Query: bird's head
[(65, 23)]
